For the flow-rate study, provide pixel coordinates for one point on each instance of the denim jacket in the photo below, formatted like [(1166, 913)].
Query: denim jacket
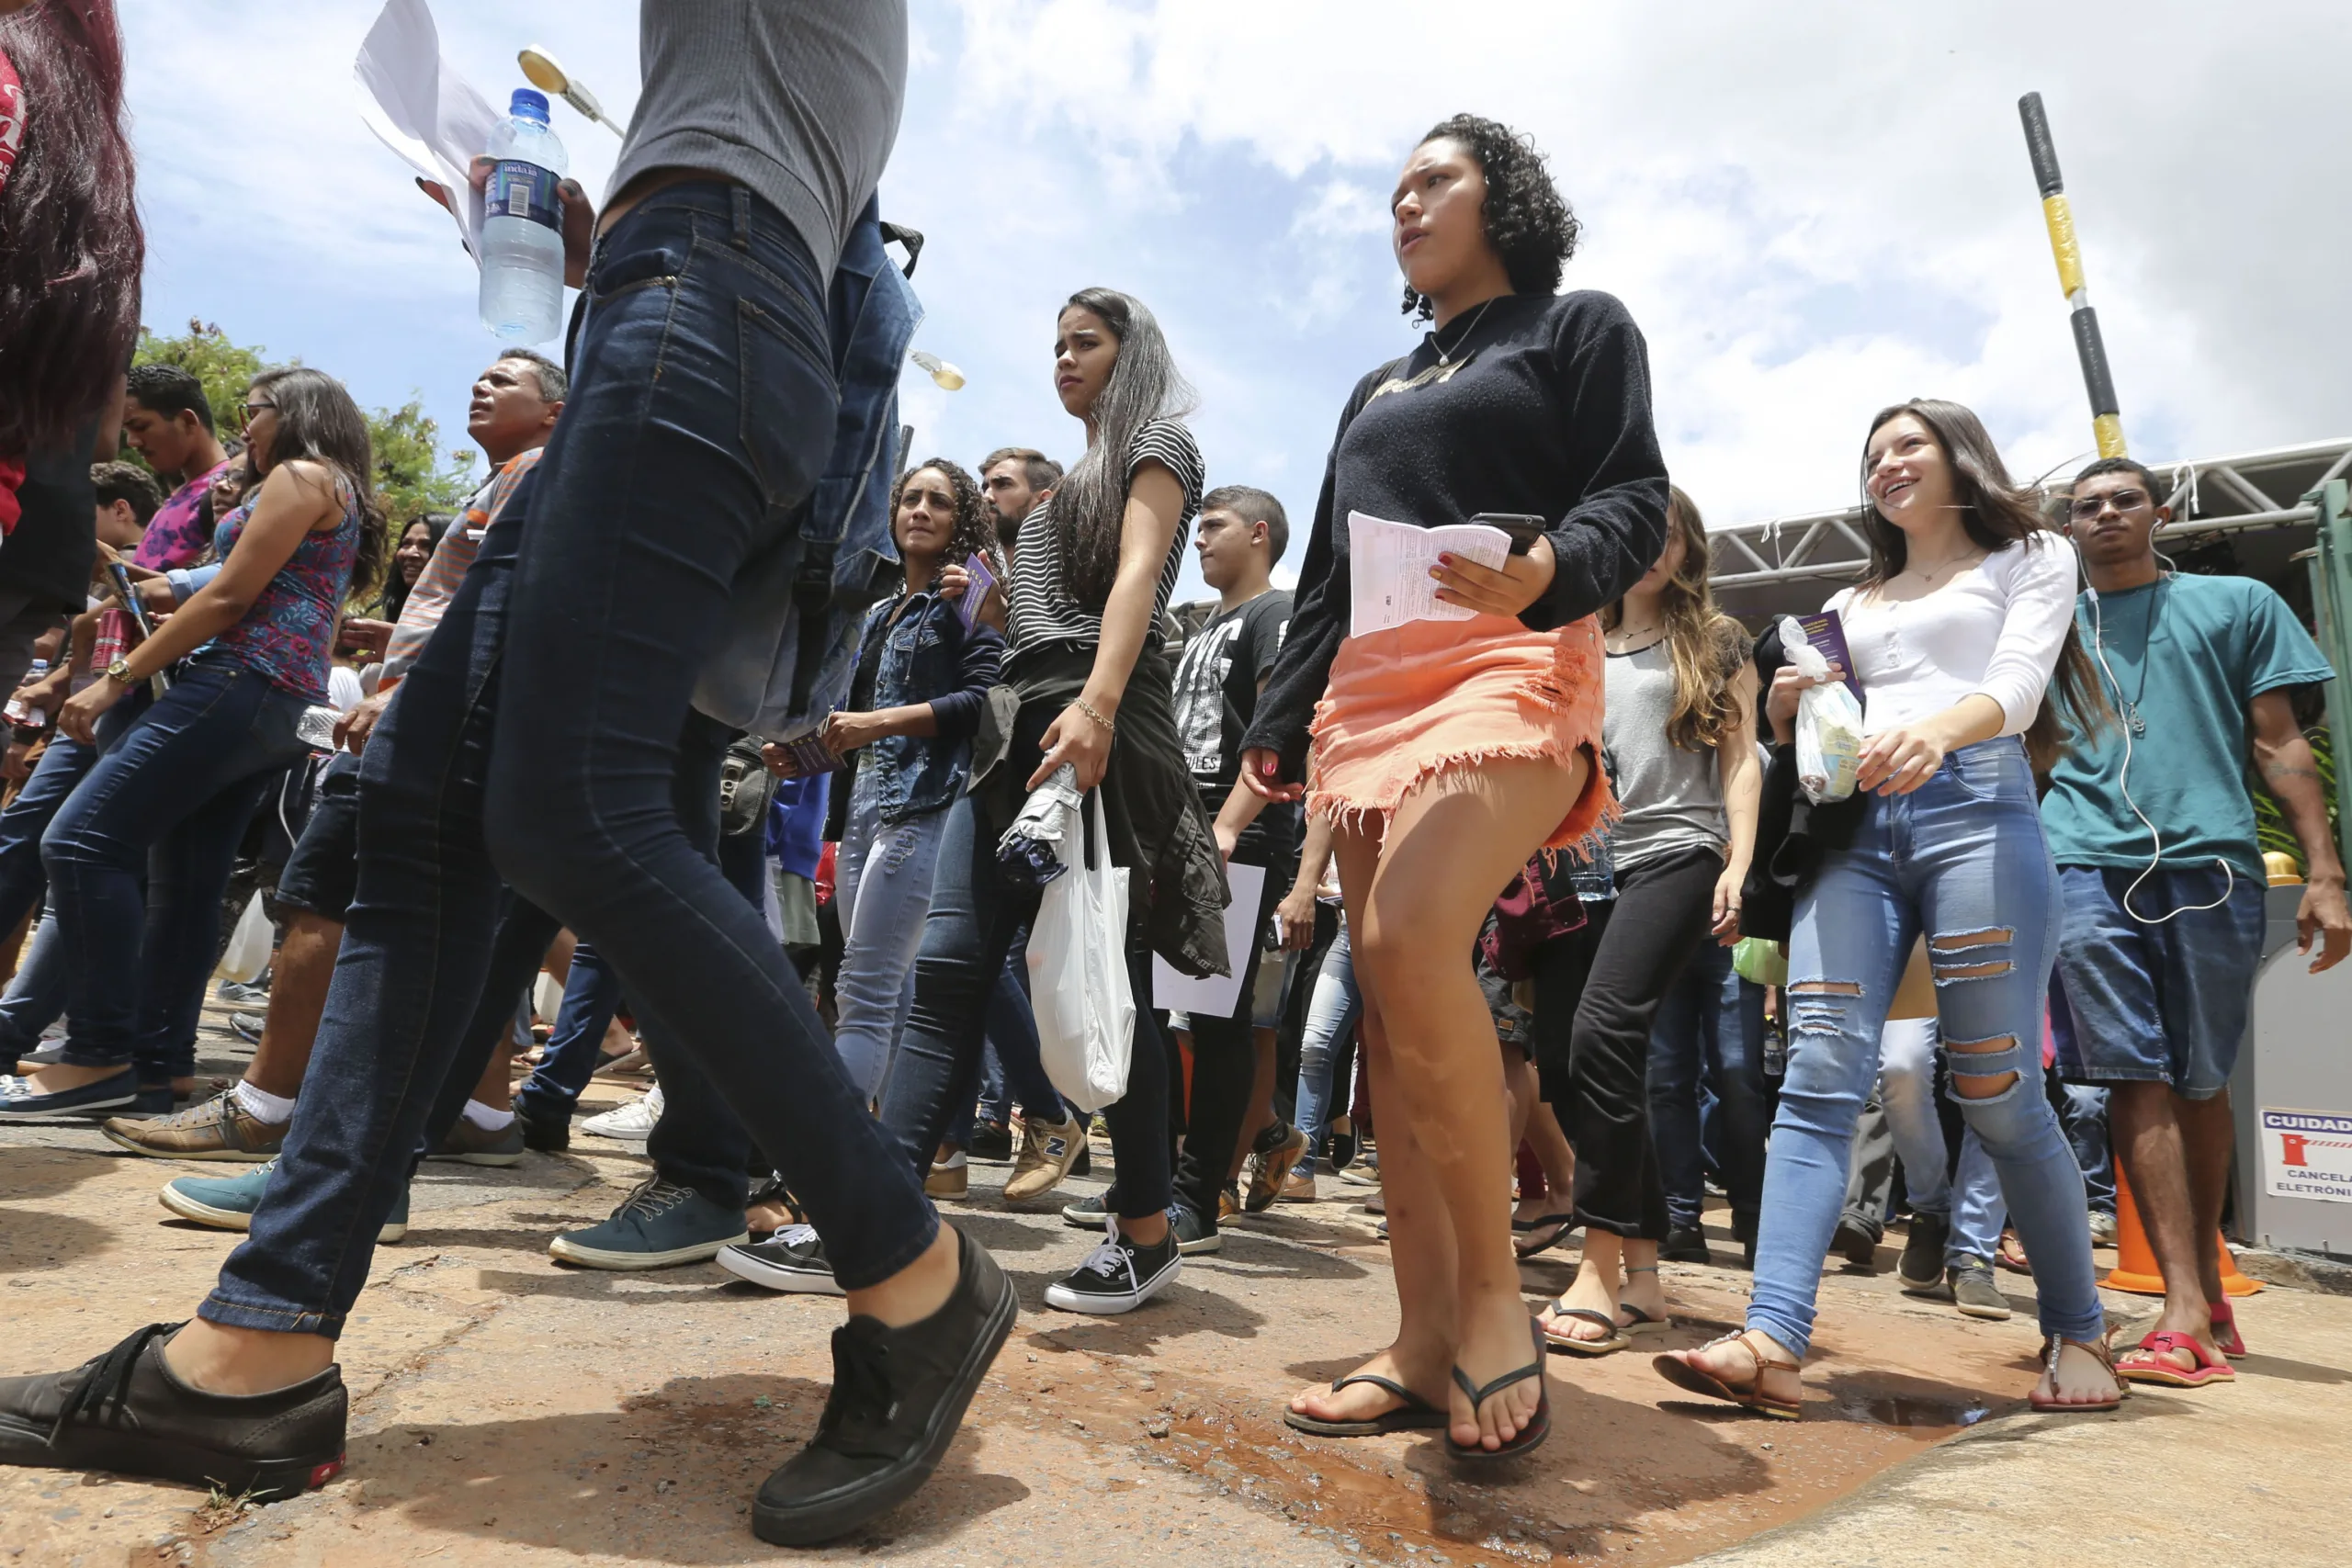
[(925, 656), (791, 642)]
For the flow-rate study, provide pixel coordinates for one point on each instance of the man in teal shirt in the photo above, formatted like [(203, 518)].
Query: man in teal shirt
[(2153, 830)]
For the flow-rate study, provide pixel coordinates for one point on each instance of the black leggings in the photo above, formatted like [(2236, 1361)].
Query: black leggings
[(1596, 993)]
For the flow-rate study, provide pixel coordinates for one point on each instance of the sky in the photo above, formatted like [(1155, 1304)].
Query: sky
[(1811, 210)]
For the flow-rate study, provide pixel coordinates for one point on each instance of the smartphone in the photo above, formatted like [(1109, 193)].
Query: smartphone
[(1523, 528)]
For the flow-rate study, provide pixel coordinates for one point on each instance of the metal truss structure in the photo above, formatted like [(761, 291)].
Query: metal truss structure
[(2258, 499)]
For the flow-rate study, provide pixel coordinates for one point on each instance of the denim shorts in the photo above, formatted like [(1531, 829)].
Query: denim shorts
[(2139, 1003), (322, 874)]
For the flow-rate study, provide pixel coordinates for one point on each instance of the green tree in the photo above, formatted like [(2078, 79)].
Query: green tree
[(414, 474)]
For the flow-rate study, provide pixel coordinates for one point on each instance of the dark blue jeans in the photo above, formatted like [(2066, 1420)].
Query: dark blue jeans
[(702, 410), (37, 995), (592, 994), (166, 805), (976, 916), (1710, 1028), (1008, 1071)]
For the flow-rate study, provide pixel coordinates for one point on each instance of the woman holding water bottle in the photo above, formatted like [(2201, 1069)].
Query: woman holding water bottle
[(1448, 751), (924, 668), (171, 795)]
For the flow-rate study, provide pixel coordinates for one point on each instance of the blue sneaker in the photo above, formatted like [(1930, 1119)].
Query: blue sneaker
[(659, 1225), (19, 1099), (228, 1204)]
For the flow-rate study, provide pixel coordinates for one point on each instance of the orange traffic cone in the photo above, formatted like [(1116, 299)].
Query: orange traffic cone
[(2135, 1269)]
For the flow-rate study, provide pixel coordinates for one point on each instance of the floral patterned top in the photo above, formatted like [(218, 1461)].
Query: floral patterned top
[(288, 635)]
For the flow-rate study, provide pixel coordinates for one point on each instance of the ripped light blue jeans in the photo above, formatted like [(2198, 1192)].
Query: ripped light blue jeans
[(1964, 859)]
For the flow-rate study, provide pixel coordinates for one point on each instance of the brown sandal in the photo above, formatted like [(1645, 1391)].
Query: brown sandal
[(1677, 1368), (2106, 1354)]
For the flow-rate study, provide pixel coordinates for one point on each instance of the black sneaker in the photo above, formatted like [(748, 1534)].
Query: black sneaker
[(543, 1132), (1920, 1269), (1118, 1276), (1193, 1232), (991, 1143), (898, 1395), (1854, 1243), (792, 1260), (1685, 1244), (124, 1412), (1088, 1213)]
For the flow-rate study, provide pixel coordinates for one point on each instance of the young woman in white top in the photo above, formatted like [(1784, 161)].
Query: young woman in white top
[(1967, 612)]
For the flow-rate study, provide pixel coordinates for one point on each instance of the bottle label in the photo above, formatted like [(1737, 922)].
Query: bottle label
[(521, 189)]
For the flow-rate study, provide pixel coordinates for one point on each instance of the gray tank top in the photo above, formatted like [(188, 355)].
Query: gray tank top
[(1672, 799)]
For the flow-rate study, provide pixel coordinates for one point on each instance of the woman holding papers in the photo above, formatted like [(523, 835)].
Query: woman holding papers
[(1957, 633), (1450, 750), (924, 668), (1090, 696)]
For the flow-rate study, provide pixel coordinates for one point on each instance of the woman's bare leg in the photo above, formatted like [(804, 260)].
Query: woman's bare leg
[(1451, 846)]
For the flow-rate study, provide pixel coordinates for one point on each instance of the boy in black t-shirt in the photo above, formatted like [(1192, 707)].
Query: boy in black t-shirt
[(1240, 536)]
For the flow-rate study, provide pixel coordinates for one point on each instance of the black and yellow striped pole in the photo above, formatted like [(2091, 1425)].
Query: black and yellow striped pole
[(2107, 420)]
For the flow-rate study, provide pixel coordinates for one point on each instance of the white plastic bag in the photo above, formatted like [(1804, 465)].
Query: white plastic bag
[(1079, 989), (1829, 723), (249, 944)]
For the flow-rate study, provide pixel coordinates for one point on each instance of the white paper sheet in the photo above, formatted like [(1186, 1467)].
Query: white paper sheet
[(423, 109), (1219, 996), (1388, 570)]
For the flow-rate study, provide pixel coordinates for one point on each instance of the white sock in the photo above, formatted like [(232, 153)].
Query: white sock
[(264, 1106), (483, 1117)]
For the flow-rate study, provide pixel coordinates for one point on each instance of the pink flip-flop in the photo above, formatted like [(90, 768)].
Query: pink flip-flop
[(2226, 1335), (2148, 1363)]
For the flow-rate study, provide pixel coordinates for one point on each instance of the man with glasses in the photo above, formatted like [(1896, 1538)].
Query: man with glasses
[(2153, 832)]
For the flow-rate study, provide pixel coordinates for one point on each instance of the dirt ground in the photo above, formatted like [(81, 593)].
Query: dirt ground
[(508, 1410)]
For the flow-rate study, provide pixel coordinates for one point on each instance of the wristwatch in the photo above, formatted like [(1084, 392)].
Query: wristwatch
[(119, 673)]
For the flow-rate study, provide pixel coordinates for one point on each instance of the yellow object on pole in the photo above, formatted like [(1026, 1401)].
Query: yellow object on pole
[(2106, 419)]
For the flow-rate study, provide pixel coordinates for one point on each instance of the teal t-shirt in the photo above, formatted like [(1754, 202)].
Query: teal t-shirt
[(2191, 654)]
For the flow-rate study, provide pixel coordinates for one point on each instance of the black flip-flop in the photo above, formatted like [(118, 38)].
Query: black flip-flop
[(1643, 1321), (1617, 1340), (1539, 1424), (1562, 1225), (1415, 1414)]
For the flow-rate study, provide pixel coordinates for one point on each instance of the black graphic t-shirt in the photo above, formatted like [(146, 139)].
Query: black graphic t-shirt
[(1216, 689)]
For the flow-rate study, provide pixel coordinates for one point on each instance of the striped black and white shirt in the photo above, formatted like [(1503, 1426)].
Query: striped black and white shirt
[(1043, 609)]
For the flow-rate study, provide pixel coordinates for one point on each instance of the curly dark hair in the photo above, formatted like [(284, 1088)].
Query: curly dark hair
[(974, 530), (1529, 222)]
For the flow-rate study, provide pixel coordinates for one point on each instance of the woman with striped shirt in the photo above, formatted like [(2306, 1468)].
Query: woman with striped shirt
[(1099, 560)]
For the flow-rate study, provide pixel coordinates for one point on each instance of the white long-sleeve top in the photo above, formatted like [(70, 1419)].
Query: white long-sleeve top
[(1996, 628)]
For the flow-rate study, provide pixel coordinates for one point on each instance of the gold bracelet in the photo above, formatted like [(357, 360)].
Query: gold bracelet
[(1082, 705)]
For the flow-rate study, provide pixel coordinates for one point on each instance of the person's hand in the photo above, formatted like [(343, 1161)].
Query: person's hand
[(352, 730), (79, 718), (1263, 770), (1726, 910), (155, 592), (13, 768), (779, 761), (376, 637), (1897, 762), (1295, 914), (845, 732), (2323, 920), (1519, 583), (579, 213), (1077, 739), (1788, 685), (51, 690), (955, 582)]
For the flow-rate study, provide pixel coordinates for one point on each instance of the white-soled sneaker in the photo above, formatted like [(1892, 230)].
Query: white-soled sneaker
[(1117, 1276), (630, 1123)]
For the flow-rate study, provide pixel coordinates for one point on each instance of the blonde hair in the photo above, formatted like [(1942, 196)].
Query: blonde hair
[(1705, 646)]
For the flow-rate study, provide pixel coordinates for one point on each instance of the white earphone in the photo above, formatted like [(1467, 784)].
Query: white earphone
[(2228, 873)]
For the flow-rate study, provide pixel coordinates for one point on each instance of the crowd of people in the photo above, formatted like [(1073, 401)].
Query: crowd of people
[(1549, 935)]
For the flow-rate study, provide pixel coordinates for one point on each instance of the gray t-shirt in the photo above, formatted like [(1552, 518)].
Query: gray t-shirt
[(1672, 799), (798, 99)]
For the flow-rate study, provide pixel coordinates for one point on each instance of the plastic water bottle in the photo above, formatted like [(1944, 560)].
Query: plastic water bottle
[(19, 711), (522, 226)]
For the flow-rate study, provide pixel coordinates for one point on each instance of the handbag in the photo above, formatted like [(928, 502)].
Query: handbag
[(1536, 905), (1078, 987), (746, 789)]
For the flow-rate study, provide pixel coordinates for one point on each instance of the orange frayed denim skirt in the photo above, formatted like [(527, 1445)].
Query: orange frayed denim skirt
[(1429, 697)]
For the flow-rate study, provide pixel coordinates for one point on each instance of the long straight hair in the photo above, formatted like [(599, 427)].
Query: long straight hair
[(318, 421), (1091, 502), (71, 247), (1707, 648), (1996, 513)]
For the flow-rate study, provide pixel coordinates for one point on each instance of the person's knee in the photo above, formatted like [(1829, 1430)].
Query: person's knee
[(1985, 1069)]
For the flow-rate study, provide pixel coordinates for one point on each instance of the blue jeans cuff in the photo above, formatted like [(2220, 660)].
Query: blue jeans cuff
[(218, 1308)]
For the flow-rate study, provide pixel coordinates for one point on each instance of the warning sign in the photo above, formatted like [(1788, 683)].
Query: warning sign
[(2307, 1153)]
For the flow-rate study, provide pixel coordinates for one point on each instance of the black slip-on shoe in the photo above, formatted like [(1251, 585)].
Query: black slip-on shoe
[(125, 1412), (1920, 1269), (898, 1395)]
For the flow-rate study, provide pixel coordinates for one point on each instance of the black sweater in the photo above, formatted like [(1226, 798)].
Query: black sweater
[(1548, 414)]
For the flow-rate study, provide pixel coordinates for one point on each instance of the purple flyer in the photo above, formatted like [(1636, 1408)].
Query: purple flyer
[(809, 755), (968, 606), (1826, 633)]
